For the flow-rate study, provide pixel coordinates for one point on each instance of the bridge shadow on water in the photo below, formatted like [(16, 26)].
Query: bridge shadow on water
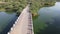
[(10, 24), (53, 28)]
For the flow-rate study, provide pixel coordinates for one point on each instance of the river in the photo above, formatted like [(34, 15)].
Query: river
[(6, 21), (48, 21)]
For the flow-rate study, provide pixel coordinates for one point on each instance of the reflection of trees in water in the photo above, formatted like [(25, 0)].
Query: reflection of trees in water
[(35, 17), (9, 12), (52, 28)]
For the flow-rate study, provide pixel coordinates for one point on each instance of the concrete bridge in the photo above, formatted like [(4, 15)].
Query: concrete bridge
[(24, 23)]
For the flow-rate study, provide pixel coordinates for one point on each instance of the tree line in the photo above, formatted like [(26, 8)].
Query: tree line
[(19, 5)]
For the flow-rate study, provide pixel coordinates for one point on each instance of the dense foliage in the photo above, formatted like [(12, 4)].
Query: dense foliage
[(13, 5), (37, 4), (18, 5)]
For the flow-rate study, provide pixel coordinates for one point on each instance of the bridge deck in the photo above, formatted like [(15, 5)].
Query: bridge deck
[(24, 24)]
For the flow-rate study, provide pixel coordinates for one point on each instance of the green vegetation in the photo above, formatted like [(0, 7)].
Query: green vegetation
[(58, 0), (13, 5), (19, 5), (37, 4)]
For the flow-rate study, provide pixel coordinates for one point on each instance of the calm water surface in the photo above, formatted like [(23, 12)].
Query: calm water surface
[(48, 21), (6, 21)]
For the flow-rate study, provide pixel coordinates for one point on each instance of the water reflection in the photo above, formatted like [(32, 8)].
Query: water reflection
[(49, 20), (6, 21), (53, 28)]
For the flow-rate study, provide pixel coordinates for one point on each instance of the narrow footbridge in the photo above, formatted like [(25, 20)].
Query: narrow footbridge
[(24, 23)]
